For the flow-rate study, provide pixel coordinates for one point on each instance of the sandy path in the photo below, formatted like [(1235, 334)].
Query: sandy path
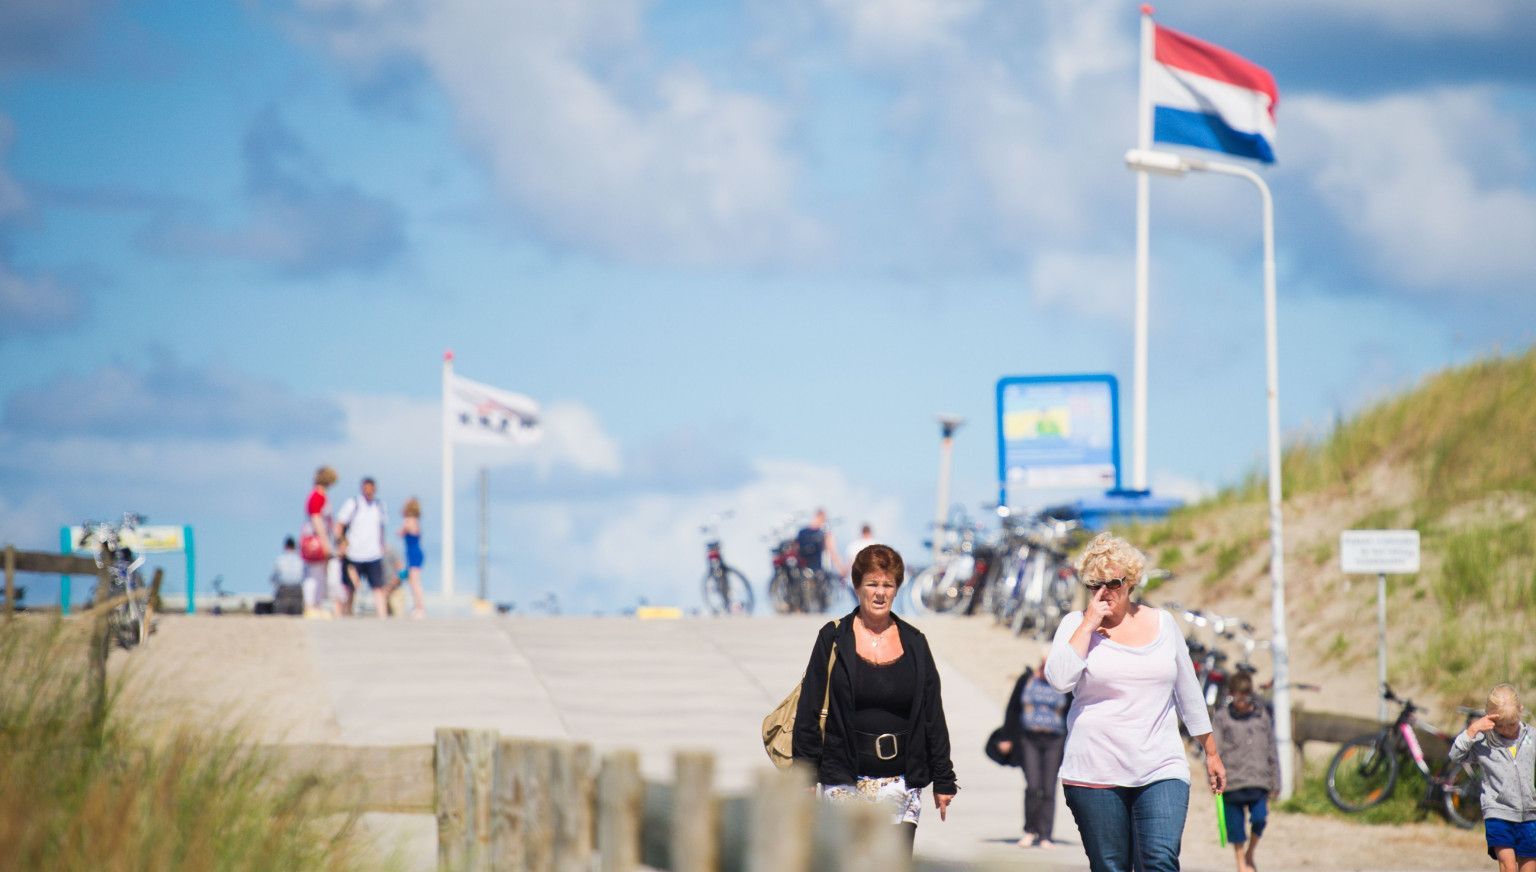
[(257, 675)]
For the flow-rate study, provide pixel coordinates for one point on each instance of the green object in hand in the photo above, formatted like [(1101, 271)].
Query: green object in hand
[(1221, 819)]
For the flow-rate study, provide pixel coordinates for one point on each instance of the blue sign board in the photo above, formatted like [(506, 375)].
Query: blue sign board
[(1057, 432)]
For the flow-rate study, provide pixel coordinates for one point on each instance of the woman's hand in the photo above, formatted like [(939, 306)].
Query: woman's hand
[(1005, 746), (941, 802), (1096, 612), (1215, 772)]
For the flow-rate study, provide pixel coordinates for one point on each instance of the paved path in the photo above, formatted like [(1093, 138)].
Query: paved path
[(656, 686)]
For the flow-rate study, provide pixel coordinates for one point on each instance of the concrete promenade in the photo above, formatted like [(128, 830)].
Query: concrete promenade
[(656, 686)]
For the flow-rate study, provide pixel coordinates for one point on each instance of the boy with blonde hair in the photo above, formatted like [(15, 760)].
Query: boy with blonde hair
[(1505, 750)]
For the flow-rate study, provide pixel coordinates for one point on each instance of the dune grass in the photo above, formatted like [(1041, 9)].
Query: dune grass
[(83, 790), (1402, 807)]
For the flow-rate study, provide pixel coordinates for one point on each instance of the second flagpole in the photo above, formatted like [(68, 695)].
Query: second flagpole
[(447, 508), (1143, 218)]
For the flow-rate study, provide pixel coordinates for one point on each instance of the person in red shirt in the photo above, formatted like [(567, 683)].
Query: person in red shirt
[(318, 543)]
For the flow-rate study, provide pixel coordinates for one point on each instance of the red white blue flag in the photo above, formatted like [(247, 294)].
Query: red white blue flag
[(1204, 96)]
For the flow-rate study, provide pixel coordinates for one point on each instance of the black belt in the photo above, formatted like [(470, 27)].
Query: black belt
[(881, 746)]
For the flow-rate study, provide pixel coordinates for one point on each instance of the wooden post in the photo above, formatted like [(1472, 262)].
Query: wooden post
[(538, 808), (620, 795), (860, 837), (464, 762), (572, 781), (781, 822), (10, 581), (695, 814), (508, 832), (152, 601), (100, 645)]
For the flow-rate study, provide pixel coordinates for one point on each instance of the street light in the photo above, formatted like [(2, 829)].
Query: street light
[(948, 424), (1167, 164)]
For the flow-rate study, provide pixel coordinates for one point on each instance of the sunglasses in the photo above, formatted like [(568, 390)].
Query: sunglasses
[(1112, 584)]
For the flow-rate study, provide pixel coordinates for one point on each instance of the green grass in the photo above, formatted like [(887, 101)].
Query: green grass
[(1402, 807), (89, 792)]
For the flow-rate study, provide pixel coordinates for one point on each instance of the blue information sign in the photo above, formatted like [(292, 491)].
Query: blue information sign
[(1057, 432)]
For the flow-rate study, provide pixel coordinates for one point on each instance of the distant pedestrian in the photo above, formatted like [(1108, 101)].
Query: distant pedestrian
[(885, 737), (1504, 749), (1245, 734), (288, 580), (815, 544), (1034, 735), (1125, 774), (410, 533), (317, 544), (866, 539), (364, 520)]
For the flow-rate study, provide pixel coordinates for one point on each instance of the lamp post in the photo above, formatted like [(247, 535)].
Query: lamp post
[(1168, 164), (948, 424)]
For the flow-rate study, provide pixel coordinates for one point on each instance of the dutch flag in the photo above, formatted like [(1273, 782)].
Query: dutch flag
[(1204, 96)]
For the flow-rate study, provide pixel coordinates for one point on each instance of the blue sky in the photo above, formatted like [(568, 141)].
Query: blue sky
[(742, 252)]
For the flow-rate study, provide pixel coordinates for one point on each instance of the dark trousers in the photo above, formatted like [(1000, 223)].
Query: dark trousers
[(1041, 755)]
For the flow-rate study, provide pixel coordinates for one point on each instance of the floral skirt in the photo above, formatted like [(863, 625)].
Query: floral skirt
[(905, 804)]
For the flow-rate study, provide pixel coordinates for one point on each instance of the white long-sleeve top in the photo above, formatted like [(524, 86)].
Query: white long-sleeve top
[(1121, 729)]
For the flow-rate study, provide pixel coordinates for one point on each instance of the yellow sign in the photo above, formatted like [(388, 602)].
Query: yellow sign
[(162, 537), (1037, 423), (655, 613)]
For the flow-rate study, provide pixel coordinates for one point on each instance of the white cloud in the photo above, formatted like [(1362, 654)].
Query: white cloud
[(1085, 282), (649, 544), (34, 303), (894, 28), (585, 134), (1430, 186)]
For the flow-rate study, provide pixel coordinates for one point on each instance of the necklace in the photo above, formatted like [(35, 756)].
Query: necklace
[(876, 638)]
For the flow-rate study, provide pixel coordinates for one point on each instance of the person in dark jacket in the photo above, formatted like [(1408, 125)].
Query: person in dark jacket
[(1245, 733), (1034, 734), (886, 737)]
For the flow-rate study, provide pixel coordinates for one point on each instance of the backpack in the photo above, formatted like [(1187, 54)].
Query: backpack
[(779, 726)]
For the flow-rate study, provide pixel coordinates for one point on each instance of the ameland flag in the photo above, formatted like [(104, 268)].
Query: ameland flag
[(1207, 97)]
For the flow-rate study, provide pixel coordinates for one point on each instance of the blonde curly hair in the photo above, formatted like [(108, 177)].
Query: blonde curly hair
[(325, 476), (1108, 556), (1504, 704)]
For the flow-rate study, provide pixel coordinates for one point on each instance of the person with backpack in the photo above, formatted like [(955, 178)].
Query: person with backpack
[(363, 520), (885, 737), (1034, 734)]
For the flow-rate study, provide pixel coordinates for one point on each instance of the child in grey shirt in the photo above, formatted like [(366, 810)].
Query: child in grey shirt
[(1505, 750)]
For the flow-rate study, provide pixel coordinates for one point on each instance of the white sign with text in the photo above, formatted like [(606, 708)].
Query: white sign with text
[(1379, 552)]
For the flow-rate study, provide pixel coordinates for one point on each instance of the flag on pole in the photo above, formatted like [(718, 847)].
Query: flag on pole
[(485, 415), (1207, 97)]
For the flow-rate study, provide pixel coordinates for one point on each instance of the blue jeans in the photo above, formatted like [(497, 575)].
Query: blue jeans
[(1131, 828)]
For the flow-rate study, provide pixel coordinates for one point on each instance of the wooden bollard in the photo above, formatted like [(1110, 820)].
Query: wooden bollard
[(695, 814), (782, 817), (620, 795), (508, 831), (10, 581), (572, 782), (464, 764), (539, 821), (860, 836)]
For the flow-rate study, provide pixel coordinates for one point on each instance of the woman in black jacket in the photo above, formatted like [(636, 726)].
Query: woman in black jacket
[(1034, 734), (886, 738)]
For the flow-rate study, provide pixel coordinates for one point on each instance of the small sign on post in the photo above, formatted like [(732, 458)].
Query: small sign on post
[(1380, 552)]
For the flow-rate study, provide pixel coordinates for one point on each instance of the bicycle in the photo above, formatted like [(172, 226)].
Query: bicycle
[(1364, 771), (128, 624), (963, 563), (726, 590)]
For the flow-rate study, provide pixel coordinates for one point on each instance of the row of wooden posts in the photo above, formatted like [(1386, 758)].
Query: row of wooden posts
[(517, 804)]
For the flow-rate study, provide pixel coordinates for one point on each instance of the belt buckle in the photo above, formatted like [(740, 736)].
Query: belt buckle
[(894, 749)]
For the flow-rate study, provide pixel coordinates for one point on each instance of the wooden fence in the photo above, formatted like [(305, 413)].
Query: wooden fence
[(551, 806)]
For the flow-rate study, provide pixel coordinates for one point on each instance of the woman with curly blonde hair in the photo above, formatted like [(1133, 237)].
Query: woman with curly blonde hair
[(1125, 775)]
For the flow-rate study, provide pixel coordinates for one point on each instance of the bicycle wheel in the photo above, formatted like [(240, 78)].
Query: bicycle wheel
[(726, 592), (814, 591), (1362, 773), (779, 593), (1461, 789), (920, 589)]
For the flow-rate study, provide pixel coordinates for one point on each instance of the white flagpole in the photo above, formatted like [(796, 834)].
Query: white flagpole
[(1143, 217), (447, 509)]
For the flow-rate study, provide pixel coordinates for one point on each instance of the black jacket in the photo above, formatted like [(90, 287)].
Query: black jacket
[(836, 761), (1013, 717)]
